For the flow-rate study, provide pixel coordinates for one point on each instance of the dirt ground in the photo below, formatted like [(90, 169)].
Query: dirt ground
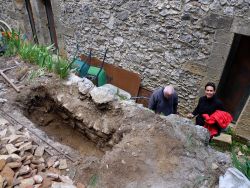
[(147, 150)]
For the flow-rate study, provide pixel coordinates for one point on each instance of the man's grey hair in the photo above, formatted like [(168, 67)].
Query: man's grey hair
[(168, 90)]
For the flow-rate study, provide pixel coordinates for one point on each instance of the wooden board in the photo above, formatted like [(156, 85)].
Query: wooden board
[(124, 79), (143, 92)]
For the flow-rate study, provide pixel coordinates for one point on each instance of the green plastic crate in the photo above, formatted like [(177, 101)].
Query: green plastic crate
[(93, 71)]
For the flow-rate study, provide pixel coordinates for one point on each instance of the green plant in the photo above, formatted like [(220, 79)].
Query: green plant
[(61, 67), (243, 148), (48, 63), (93, 181), (12, 40), (122, 97), (230, 131), (40, 55), (35, 74), (243, 166), (29, 52)]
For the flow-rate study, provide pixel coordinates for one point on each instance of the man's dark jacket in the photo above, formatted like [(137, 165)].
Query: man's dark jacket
[(160, 104)]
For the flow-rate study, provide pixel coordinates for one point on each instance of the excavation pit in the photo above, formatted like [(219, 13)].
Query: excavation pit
[(60, 126)]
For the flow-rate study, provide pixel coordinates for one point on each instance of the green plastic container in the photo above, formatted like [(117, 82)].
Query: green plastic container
[(81, 67), (85, 70), (93, 71)]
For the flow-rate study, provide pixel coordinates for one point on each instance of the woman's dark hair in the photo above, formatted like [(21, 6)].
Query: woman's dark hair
[(210, 84)]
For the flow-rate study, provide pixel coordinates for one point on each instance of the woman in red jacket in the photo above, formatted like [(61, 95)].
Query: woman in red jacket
[(208, 104)]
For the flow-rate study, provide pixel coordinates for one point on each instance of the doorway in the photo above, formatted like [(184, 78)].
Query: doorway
[(234, 86)]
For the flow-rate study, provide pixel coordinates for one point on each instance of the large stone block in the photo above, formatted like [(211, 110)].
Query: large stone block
[(195, 68), (223, 36), (218, 56), (217, 21), (241, 26)]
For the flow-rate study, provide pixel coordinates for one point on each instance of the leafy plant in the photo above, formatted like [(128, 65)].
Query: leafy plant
[(61, 67), (230, 131), (37, 54), (243, 166), (30, 53)]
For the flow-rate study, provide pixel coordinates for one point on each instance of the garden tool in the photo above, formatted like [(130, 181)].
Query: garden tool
[(8, 80)]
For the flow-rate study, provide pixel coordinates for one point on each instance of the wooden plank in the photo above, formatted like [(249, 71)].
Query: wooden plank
[(124, 79), (145, 95)]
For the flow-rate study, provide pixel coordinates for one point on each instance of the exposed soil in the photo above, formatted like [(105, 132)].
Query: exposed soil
[(60, 128), (118, 144)]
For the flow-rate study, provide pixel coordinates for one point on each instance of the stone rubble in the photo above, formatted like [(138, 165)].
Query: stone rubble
[(22, 163)]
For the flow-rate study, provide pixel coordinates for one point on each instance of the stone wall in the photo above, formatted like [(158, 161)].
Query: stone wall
[(15, 14), (184, 43)]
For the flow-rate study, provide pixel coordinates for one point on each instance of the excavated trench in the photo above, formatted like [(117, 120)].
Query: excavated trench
[(60, 126)]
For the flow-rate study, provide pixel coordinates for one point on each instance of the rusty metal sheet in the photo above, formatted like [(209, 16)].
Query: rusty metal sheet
[(124, 79)]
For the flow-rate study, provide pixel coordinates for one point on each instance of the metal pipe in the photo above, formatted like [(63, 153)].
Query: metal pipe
[(140, 97)]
